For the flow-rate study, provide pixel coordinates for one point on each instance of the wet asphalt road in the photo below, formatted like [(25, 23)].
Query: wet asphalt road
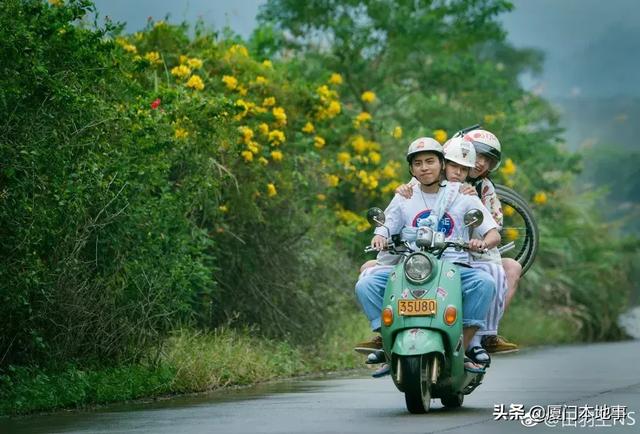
[(586, 375)]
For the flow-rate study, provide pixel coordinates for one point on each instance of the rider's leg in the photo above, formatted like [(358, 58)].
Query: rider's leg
[(370, 293), (370, 263), (513, 270), (478, 289)]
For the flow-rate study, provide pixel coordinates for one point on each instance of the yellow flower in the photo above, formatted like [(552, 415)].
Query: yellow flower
[(391, 186), (181, 71), (333, 109), (182, 59), (263, 161), (276, 155), (397, 133), (230, 81), (508, 168), (261, 80), (237, 50), (280, 115), (321, 197), (344, 157), (264, 129), (247, 155), (223, 209), (489, 119), (195, 82), (390, 170), (247, 133), (130, 48), (245, 109), (269, 102), (362, 117), (351, 218), (335, 79), (359, 144), (324, 91), (368, 180), (253, 147), (318, 142), (195, 63), (508, 211), (540, 198), (332, 180), (271, 190), (153, 57), (511, 234), (368, 96), (180, 133), (55, 2), (267, 64), (440, 136), (374, 157), (308, 128), (276, 137)]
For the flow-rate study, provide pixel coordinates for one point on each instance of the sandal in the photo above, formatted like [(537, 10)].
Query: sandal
[(385, 369), (479, 355), (472, 369), (376, 357)]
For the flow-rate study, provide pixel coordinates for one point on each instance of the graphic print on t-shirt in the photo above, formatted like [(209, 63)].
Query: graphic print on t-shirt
[(445, 224)]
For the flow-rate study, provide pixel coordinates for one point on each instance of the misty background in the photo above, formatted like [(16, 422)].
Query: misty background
[(592, 60)]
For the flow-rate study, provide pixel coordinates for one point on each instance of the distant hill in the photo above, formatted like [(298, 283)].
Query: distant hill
[(591, 121)]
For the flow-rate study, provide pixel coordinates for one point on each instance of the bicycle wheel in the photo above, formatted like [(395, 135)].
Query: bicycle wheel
[(519, 226)]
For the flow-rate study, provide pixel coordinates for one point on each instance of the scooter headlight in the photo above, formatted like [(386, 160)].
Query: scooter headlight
[(418, 268)]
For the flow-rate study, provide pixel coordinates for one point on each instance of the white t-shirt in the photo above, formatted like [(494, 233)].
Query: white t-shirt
[(403, 212)]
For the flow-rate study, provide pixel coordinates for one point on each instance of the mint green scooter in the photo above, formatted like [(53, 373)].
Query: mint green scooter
[(422, 320)]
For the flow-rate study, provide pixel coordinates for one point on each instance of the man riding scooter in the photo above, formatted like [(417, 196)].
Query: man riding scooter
[(442, 209)]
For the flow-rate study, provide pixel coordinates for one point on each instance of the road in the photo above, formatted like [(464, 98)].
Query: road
[(574, 376)]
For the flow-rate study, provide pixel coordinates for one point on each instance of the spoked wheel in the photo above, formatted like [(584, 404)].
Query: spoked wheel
[(519, 227), (417, 385), (454, 400)]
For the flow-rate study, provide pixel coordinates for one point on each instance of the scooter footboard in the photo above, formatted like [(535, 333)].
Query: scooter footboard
[(411, 342)]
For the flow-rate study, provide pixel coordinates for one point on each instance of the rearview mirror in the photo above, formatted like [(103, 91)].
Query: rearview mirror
[(473, 218), (376, 217)]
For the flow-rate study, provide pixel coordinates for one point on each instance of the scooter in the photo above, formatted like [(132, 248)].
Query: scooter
[(422, 319)]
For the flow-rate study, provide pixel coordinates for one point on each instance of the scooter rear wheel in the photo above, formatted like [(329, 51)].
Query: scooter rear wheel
[(416, 382), (519, 226)]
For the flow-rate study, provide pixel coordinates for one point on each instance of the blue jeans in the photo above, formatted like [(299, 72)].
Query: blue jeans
[(478, 288)]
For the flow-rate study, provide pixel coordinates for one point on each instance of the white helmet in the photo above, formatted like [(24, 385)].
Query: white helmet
[(424, 144), (461, 151), (486, 143)]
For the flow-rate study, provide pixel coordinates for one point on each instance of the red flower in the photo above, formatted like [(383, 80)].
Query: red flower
[(155, 104)]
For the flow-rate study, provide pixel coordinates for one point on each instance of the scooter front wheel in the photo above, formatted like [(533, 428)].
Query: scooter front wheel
[(454, 400), (416, 382)]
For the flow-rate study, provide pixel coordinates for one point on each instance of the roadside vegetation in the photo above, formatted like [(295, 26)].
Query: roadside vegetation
[(182, 210)]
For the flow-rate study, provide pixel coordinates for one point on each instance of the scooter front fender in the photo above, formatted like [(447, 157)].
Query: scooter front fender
[(415, 341)]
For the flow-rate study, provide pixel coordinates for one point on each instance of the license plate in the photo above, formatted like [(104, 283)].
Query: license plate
[(417, 307)]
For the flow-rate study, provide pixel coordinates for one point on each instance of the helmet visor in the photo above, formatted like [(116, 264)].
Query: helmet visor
[(486, 150)]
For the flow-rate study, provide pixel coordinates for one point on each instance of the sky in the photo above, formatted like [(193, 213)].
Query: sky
[(592, 52)]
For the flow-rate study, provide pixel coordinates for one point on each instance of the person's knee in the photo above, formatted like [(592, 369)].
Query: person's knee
[(370, 263), (512, 268), (363, 287), (486, 283)]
